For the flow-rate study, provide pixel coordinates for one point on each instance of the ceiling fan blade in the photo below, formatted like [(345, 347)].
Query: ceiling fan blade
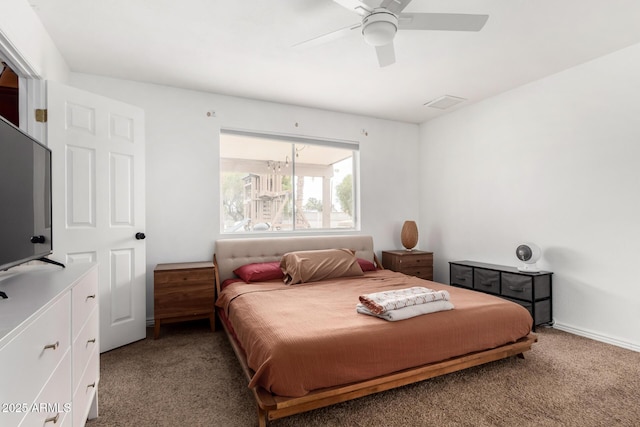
[(357, 6), (394, 6), (386, 54), (441, 21), (325, 38)]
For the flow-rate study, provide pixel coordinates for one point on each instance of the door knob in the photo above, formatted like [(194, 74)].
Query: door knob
[(140, 236)]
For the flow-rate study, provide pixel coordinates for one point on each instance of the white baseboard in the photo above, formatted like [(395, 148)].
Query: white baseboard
[(596, 336), (150, 322)]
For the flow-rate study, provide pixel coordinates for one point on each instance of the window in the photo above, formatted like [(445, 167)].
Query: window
[(271, 183)]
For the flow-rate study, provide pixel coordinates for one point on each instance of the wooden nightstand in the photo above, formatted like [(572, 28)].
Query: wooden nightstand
[(183, 291), (413, 263)]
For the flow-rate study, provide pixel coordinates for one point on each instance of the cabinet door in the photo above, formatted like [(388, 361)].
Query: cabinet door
[(461, 276)]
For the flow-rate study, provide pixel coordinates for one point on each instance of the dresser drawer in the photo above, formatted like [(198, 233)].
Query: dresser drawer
[(486, 280), (461, 276), (517, 286), (84, 347), (183, 276), (26, 363), (541, 311), (84, 395), (54, 401), (541, 287), (84, 298), (530, 290)]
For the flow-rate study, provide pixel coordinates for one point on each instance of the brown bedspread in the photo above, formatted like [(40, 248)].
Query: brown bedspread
[(308, 336)]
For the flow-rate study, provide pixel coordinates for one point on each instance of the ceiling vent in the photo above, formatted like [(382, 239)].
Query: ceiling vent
[(444, 102)]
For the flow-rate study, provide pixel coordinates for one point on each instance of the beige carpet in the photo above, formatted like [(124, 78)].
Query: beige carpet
[(190, 377)]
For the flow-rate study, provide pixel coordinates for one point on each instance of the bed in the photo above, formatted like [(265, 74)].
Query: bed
[(304, 346)]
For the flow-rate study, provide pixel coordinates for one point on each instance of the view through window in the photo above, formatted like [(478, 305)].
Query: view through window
[(285, 183)]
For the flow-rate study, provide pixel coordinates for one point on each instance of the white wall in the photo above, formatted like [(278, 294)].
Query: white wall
[(23, 39), (182, 159), (557, 163)]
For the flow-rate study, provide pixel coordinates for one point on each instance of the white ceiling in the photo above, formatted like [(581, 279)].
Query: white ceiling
[(243, 48)]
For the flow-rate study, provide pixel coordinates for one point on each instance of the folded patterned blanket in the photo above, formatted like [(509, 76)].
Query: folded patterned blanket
[(409, 311), (381, 302)]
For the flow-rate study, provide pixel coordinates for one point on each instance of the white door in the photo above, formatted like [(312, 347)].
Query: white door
[(99, 201)]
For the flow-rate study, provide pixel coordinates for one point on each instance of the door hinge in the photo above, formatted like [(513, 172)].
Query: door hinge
[(41, 115)]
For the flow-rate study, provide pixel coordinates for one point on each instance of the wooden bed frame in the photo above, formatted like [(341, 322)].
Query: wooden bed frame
[(232, 253)]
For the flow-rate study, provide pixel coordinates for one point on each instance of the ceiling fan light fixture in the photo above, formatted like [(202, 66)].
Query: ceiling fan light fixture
[(379, 28)]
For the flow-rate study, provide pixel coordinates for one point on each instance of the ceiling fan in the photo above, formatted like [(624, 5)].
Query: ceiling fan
[(380, 24)]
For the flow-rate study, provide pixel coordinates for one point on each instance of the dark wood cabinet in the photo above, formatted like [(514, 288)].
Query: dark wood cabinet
[(183, 291), (412, 263), (531, 290)]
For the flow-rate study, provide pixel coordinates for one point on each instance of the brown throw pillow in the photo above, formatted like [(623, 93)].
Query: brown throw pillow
[(312, 266)]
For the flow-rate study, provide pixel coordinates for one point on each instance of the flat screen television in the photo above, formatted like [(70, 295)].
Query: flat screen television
[(25, 197)]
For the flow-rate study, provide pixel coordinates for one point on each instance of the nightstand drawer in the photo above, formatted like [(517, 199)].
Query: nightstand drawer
[(461, 276), (184, 300), (184, 276), (413, 261), (424, 272), (486, 280), (517, 286)]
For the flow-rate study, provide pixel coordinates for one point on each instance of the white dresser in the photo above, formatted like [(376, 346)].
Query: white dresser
[(49, 346)]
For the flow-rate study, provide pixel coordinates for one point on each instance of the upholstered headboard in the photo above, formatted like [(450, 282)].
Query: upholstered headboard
[(233, 253)]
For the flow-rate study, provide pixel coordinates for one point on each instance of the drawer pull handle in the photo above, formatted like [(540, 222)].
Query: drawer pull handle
[(487, 284), (92, 385), (52, 346), (90, 297), (516, 289), (53, 419), (462, 279), (92, 340)]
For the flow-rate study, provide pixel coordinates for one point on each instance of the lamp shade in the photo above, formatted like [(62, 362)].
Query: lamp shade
[(409, 235)]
